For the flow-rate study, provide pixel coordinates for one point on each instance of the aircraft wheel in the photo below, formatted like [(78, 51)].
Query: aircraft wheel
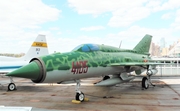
[(11, 87), (80, 96), (145, 83)]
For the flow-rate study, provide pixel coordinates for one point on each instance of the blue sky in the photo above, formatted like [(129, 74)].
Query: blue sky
[(68, 23)]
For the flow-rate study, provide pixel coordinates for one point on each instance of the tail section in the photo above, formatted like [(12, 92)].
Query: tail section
[(38, 48), (144, 45)]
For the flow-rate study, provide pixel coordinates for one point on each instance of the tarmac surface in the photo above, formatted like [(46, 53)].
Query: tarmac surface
[(165, 96)]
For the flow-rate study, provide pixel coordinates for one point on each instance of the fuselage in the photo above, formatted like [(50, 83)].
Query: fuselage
[(61, 67)]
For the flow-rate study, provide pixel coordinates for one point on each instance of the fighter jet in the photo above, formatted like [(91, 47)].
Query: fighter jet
[(92, 60), (8, 64)]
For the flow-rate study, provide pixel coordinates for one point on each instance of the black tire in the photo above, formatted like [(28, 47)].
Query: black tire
[(11, 87), (145, 83), (80, 97)]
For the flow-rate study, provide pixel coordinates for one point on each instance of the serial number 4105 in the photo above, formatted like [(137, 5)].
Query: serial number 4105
[(79, 67)]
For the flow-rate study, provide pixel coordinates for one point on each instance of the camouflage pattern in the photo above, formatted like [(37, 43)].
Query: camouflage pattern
[(84, 59), (95, 59), (105, 56)]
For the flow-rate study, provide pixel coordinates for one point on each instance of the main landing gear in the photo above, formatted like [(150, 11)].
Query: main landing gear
[(11, 86), (80, 97), (146, 81)]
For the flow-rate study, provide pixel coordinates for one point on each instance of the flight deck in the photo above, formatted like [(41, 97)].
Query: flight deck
[(165, 96)]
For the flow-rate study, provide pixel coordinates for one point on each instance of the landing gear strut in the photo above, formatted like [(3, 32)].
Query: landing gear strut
[(11, 86), (79, 95)]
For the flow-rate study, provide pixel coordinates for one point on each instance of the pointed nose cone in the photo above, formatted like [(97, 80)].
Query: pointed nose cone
[(30, 71)]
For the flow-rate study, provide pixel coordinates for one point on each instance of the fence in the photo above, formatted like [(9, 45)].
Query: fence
[(171, 67)]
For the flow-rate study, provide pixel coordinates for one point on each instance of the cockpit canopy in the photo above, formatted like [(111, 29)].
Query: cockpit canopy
[(95, 47), (87, 48)]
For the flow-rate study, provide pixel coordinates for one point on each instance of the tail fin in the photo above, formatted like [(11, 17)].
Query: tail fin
[(38, 48), (144, 45)]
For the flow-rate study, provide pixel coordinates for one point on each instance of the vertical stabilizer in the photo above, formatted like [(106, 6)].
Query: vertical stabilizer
[(144, 45), (38, 48)]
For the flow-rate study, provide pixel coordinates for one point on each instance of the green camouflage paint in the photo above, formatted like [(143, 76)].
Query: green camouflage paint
[(78, 61), (106, 56), (64, 61)]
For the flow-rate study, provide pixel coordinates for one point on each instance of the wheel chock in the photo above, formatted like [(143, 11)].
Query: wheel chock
[(86, 99), (76, 102)]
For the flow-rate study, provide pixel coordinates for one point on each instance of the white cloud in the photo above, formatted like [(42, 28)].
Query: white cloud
[(124, 12), (167, 15), (101, 6), (54, 28), (91, 6), (20, 20), (159, 5), (139, 31), (125, 18), (170, 4), (176, 23), (154, 3), (92, 28), (177, 20), (26, 14), (21, 14), (59, 32)]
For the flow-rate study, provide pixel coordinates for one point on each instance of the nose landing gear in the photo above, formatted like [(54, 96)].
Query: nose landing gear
[(11, 86), (79, 97)]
